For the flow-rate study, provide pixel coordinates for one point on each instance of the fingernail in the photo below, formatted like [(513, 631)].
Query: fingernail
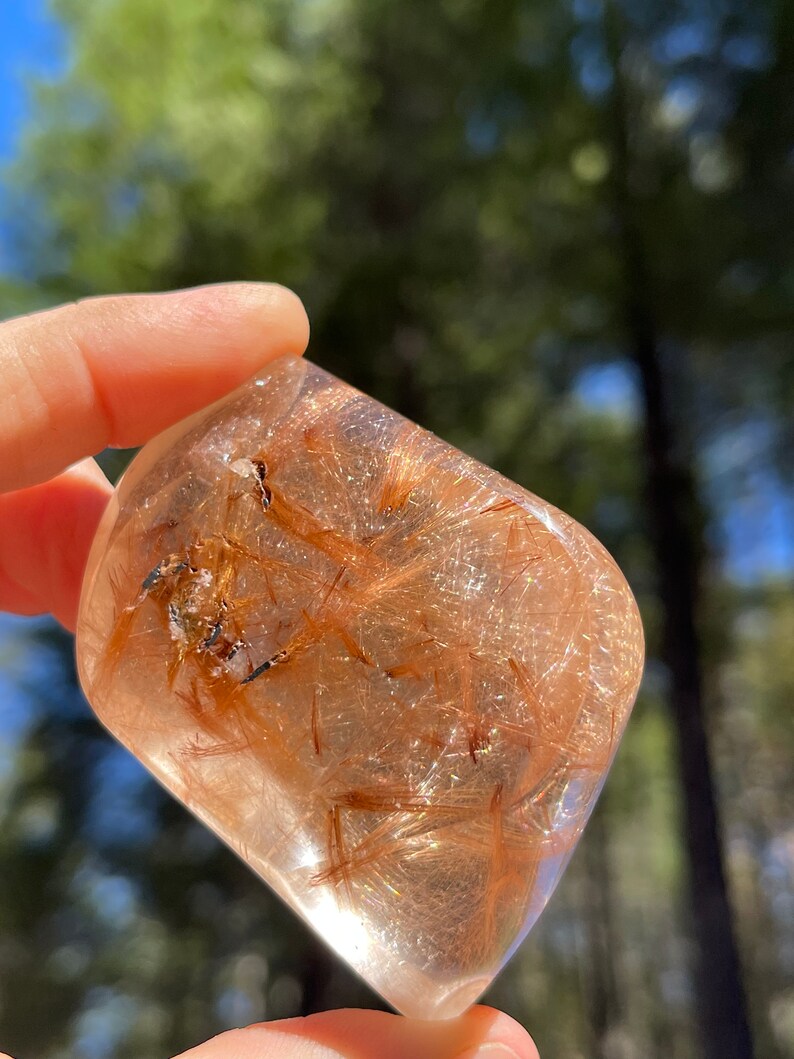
[(491, 1050)]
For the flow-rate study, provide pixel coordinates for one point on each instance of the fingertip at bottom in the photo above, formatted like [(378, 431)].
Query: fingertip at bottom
[(481, 1033)]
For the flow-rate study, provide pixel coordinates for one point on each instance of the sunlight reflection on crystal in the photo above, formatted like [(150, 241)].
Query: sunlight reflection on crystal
[(341, 928)]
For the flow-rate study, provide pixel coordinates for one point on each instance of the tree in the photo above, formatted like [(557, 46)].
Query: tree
[(485, 211)]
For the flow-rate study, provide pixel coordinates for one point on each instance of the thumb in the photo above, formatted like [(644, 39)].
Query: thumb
[(482, 1033)]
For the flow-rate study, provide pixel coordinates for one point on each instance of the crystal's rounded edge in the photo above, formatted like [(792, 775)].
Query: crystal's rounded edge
[(443, 1004), (572, 534), (93, 564)]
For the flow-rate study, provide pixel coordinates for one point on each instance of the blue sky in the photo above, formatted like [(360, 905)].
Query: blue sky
[(30, 43)]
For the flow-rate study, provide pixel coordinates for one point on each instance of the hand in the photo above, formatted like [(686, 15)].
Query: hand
[(115, 371)]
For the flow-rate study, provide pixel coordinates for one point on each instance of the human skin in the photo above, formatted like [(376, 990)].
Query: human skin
[(114, 372)]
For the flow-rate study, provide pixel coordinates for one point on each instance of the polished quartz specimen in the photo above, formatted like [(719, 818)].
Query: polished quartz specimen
[(389, 678)]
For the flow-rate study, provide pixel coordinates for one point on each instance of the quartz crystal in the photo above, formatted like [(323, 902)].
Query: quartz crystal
[(390, 679)]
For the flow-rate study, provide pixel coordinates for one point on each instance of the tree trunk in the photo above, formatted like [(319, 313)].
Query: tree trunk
[(671, 499), (602, 990)]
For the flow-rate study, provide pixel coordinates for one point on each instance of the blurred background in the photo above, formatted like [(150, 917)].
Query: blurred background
[(556, 232)]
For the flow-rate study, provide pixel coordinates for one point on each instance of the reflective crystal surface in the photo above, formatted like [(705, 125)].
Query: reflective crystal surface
[(389, 678)]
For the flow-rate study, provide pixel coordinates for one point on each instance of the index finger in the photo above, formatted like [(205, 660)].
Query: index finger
[(116, 370)]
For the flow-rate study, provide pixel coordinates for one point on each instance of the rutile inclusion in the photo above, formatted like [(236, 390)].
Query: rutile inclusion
[(390, 679)]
